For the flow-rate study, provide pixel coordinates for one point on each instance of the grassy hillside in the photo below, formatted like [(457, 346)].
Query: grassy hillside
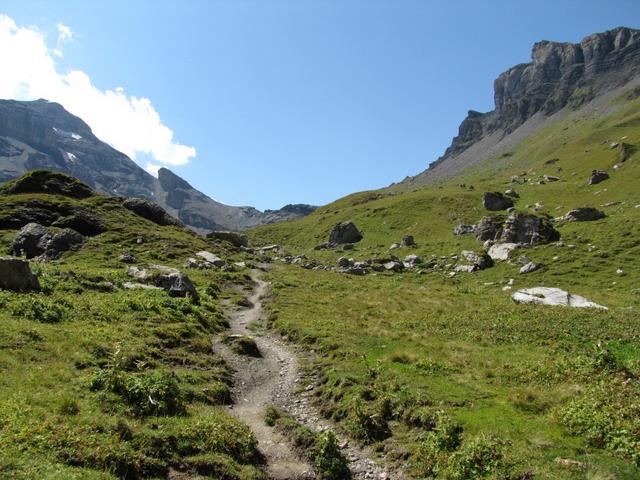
[(101, 382), (447, 374)]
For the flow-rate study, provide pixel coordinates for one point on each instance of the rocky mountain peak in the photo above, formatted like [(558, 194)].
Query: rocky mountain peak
[(560, 75)]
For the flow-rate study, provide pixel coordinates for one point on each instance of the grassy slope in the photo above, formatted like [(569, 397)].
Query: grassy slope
[(533, 377), (58, 421)]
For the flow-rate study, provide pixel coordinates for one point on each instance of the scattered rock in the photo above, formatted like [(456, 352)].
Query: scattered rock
[(139, 286), (597, 176), (463, 229), (551, 161), (345, 232), (395, 246), (344, 262), (66, 239), (16, 275), (584, 214), (394, 266), (502, 251), (567, 462), (480, 262), (211, 259), (551, 178), (626, 149), (234, 238), (127, 258), (528, 268), (411, 261), (494, 201), (511, 193), (465, 269), (408, 241), (150, 211), (552, 296), (169, 279)]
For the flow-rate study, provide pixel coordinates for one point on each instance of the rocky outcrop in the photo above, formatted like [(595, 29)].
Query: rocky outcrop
[(234, 238), (597, 176), (150, 211), (35, 240), (495, 201), (520, 228), (559, 75), (16, 275), (345, 232)]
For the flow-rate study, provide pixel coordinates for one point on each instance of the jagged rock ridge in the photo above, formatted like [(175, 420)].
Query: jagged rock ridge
[(560, 75), (43, 135)]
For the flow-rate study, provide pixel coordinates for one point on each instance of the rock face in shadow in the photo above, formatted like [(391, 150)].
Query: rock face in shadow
[(345, 232), (150, 210), (43, 135), (16, 275), (559, 75)]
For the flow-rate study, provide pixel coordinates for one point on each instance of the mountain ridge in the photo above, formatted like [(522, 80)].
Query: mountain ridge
[(43, 135), (561, 75)]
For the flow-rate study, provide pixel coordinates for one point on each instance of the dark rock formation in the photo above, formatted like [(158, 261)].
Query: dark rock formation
[(151, 211), (345, 232), (82, 221), (597, 176), (495, 201), (463, 229), (234, 238), (16, 275)]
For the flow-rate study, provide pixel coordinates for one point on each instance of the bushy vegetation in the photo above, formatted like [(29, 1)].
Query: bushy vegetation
[(320, 448)]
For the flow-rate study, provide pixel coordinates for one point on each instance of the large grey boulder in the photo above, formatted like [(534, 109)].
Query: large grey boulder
[(345, 232), (495, 201), (16, 275), (502, 251), (234, 238), (552, 296), (174, 282), (529, 229), (30, 241)]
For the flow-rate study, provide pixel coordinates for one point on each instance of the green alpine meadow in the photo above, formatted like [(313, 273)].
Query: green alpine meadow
[(479, 319)]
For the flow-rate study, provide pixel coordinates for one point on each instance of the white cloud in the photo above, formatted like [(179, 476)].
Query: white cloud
[(130, 124)]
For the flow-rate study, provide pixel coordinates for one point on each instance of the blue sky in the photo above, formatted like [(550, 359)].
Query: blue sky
[(306, 101)]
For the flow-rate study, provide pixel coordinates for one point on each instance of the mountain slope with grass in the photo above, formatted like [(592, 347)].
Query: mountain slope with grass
[(439, 368), (105, 375)]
